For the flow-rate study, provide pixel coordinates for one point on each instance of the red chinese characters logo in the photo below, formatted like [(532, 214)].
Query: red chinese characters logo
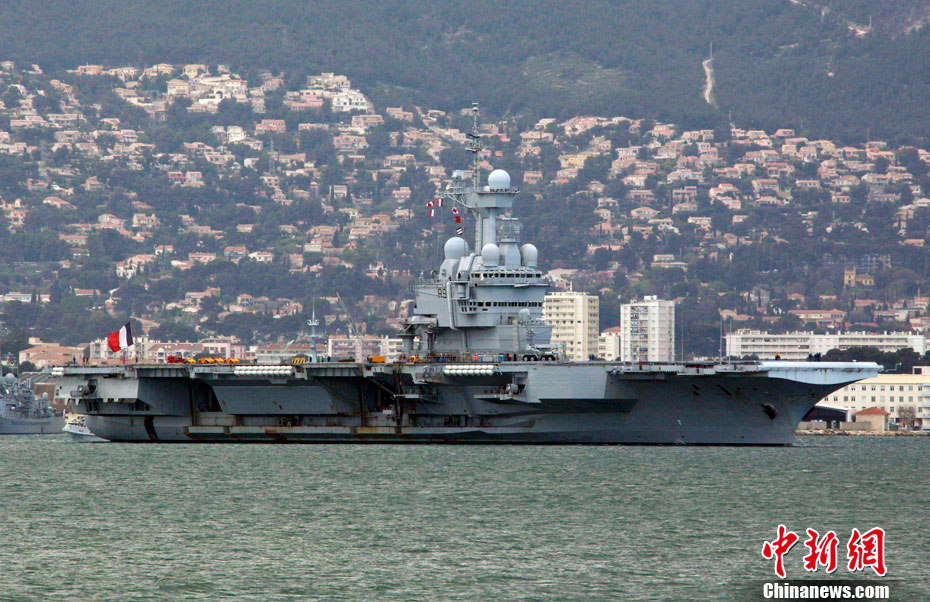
[(864, 550), (779, 547), (822, 551), (867, 550)]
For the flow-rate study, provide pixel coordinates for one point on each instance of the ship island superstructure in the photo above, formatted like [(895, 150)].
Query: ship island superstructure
[(487, 301), (24, 413), (477, 367)]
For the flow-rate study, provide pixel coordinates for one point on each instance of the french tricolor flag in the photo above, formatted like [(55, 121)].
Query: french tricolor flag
[(121, 339)]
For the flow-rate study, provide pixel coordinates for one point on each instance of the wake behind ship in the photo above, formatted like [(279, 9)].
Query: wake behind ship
[(477, 367)]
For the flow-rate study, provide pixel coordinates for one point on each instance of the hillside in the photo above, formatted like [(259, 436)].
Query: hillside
[(201, 202), (777, 62)]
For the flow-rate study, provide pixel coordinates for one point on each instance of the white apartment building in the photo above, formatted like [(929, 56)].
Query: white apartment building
[(608, 344), (904, 396), (574, 318), (360, 347), (647, 330), (798, 345), (282, 353)]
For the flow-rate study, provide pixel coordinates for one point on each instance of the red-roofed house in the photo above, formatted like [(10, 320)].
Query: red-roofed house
[(876, 417)]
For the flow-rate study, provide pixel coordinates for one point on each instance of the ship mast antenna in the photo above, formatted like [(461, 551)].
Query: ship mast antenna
[(313, 323), (474, 145)]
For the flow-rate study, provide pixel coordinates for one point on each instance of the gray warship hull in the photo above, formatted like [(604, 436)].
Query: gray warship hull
[(496, 402), (31, 426)]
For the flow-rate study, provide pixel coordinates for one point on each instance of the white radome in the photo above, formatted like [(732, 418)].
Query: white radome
[(530, 255), (455, 248), (490, 255), (499, 180)]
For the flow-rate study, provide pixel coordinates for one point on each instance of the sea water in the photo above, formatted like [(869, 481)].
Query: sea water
[(108, 521)]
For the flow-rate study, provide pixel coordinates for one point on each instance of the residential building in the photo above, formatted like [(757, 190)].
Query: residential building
[(904, 397), (574, 318), (876, 418), (50, 354), (282, 353), (800, 345), (608, 344), (647, 330), (360, 347)]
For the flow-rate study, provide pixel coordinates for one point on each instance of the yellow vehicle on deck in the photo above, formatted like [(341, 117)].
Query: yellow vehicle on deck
[(215, 360)]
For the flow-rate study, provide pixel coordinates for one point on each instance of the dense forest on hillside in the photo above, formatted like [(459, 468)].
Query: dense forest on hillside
[(776, 62)]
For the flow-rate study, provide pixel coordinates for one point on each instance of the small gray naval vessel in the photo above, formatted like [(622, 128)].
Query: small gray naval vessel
[(477, 367), (22, 413)]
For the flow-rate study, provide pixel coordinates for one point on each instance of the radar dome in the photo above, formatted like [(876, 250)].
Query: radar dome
[(529, 255), (524, 315), (490, 255), (455, 248), (499, 179), (10, 377)]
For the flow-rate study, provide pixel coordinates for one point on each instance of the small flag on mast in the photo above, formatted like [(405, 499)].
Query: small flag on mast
[(458, 218), (432, 212), (460, 231), (121, 339)]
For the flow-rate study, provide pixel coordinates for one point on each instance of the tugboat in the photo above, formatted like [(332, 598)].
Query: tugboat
[(22, 413), (477, 367)]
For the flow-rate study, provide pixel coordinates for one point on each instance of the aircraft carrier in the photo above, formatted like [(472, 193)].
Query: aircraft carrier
[(477, 367)]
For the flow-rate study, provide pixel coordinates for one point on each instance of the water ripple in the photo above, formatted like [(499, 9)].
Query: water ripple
[(208, 522)]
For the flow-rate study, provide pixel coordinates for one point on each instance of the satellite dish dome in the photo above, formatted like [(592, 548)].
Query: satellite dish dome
[(529, 255), (10, 378), (455, 248), (499, 179), (490, 255), (524, 315)]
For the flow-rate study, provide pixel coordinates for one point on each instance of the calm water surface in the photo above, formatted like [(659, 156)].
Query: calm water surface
[(81, 521)]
